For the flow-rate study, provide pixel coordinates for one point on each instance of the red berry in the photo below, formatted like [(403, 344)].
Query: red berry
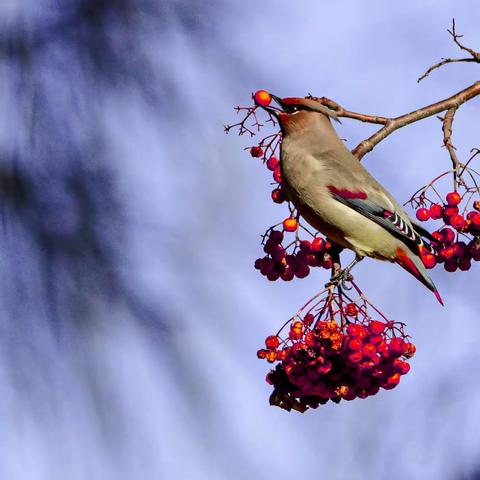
[(277, 175), (369, 350), (272, 163), (410, 350), (276, 237), (396, 346), (476, 220), (356, 330), (460, 249), (453, 199), (278, 196), (376, 327), (476, 205), (356, 356), (448, 236), (271, 356), (308, 319), (262, 98), (392, 381), (464, 264), (351, 310), (288, 274), (423, 214), (355, 343), (400, 366), (272, 342), (256, 152), (282, 354), (449, 212), (450, 265), (474, 249), (429, 260), (318, 244), (436, 211), (262, 353), (302, 272), (457, 222), (305, 246), (375, 339), (267, 266)]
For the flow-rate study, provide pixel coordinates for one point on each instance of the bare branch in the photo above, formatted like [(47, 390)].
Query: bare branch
[(475, 56), (341, 112), (447, 141), (394, 124)]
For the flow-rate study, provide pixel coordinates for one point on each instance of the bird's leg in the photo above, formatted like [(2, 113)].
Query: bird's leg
[(340, 277)]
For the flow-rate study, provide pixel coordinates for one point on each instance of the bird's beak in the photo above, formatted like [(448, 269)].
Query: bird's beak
[(274, 110)]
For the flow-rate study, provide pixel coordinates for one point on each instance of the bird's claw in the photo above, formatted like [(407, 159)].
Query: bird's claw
[(341, 279)]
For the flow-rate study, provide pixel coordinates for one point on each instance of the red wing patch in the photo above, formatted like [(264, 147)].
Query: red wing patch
[(347, 194)]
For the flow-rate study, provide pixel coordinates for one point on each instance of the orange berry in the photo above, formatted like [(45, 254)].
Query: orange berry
[(290, 224), (271, 356), (410, 350), (262, 98)]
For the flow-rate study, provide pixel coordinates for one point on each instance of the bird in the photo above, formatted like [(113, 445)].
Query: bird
[(336, 194)]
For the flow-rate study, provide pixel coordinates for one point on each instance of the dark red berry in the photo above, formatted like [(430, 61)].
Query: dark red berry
[(256, 152), (278, 196)]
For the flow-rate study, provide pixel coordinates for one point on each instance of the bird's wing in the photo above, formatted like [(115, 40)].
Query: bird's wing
[(376, 206), (352, 185)]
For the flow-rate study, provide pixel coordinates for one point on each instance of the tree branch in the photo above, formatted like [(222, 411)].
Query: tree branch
[(447, 141), (341, 112), (475, 56), (394, 124)]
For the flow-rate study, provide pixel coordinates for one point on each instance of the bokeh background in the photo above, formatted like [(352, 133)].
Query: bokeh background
[(130, 312)]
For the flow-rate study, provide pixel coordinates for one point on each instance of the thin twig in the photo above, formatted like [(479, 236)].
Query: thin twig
[(447, 142), (475, 56), (341, 112)]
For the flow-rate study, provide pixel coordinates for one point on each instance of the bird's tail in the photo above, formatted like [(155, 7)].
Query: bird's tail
[(414, 265)]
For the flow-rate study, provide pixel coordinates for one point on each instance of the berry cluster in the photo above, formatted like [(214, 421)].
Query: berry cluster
[(449, 249), (280, 264), (335, 351)]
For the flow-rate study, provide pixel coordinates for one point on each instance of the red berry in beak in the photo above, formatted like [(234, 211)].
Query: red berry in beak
[(262, 98)]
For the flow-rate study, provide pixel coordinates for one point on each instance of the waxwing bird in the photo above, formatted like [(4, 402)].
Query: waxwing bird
[(335, 194)]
